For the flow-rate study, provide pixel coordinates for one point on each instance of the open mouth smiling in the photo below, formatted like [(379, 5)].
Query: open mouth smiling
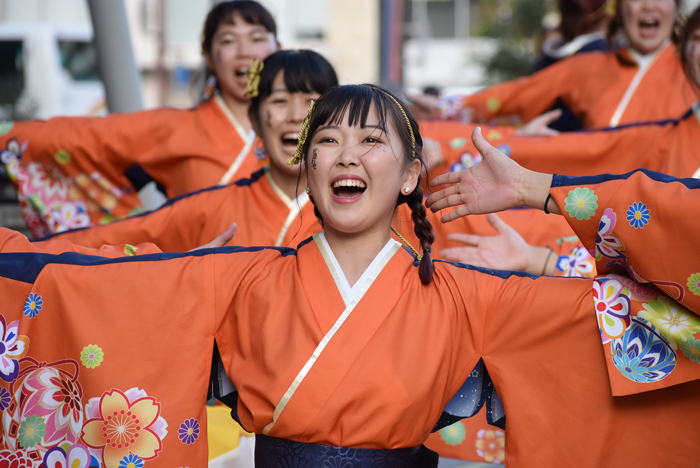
[(348, 189), (290, 141)]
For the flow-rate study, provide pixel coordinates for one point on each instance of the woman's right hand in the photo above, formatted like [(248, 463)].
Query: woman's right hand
[(221, 240)]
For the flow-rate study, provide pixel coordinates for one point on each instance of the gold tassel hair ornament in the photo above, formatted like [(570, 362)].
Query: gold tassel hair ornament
[(606, 9), (419, 257), (253, 76), (681, 30), (303, 134)]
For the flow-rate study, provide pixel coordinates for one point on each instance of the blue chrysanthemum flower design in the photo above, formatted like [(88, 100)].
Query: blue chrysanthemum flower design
[(131, 461), (33, 305), (638, 215)]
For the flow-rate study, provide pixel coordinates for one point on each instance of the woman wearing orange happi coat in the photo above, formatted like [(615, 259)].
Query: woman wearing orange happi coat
[(641, 81), (348, 349), (72, 172)]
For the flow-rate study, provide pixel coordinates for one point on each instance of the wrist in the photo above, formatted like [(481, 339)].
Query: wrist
[(539, 258), (534, 188)]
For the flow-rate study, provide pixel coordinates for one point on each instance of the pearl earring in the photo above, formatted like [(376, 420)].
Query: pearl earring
[(406, 189), (308, 189)]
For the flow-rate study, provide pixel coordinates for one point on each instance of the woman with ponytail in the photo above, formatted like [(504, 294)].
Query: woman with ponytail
[(350, 349)]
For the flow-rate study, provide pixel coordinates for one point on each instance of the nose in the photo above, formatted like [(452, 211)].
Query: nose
[(298, 110), (243, 48), (349, 157)]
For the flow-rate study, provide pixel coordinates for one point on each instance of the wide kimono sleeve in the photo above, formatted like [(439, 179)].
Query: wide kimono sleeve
[(554, 369), (182, 224), (105, 359), (639, 222), (13, 241), (525, 97), (591, 152), (69, 172)]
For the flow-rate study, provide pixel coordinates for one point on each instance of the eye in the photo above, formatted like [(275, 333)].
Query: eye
[(327, 140), (372, 140), (279, 101)]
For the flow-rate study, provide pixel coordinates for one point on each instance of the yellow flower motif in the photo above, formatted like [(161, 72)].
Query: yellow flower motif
[(674, 322), (92, 356), (130, 250)]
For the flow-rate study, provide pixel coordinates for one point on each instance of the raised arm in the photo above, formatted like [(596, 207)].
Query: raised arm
[(182, 224)]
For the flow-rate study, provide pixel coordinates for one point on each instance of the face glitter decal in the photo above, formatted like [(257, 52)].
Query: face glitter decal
[(313, 158)]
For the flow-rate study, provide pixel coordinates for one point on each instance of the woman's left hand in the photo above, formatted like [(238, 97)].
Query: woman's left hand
[(221, 240)]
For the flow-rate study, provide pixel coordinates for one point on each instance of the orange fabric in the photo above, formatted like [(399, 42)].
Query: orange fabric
[(79, 162), (669, 147), (607, 225), (383, 379), (196, 219), (470, 439), (591, 85)]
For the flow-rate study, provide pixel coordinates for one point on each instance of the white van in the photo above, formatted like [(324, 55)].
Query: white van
[(47, 71)]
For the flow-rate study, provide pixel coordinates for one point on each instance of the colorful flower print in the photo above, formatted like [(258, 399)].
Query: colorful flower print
[(15, 459), (453, 434), (75, 456), (643, 354), (13, 347), (581, 203), (5, 398), (637, 291), (189, 431), (51, 184), (490, 445), (33, 305), (67, 215), (13, 151), (6, 127), (691, 348), (457, 143), (91, 356), (505, 149), (694, 283), (493, 104), (578, 263), (494, 135), (131, 461), (31, 431), (62, 157), (55, 396), (607, 245), (467, 160), (612, 306), (124, 423), (638, 215), (675, 322), (130, 250)]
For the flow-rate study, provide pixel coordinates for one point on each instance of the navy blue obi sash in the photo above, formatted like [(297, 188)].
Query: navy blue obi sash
[(271, 452)]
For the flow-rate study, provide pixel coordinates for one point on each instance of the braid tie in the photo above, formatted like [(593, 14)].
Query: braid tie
[(406, 243)]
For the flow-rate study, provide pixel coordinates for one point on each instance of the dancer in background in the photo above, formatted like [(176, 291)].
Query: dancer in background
[(74, 172)]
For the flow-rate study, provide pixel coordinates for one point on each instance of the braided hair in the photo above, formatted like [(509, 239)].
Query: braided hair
[(357, 101)]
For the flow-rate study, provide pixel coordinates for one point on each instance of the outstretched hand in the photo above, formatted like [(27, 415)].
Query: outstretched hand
[(505, 251), (221, 240), (540, 124), (490, 186)]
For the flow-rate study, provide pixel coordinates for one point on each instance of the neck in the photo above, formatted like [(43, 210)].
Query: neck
[(239, 110), (355, 252), (291, 184)]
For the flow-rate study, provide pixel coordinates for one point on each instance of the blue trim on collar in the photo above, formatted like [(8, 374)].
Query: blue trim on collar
[(567, 181), (246, 182), (26, 266)]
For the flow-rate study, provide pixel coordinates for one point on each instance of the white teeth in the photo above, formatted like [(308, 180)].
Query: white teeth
[(649, 22), (349, 183), (290, 136)]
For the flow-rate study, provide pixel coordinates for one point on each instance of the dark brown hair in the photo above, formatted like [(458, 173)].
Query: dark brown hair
[(579, 15), (225, 12), (692, 24), (357, 101)]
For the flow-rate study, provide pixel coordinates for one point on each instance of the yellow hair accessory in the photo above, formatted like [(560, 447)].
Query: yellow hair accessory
[(611, 7), (408, 122), (253, 75), (681, 29), (419, 257), (606, 9), (303, 133)]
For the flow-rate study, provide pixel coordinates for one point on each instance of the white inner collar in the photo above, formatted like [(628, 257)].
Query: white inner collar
[(350, 292), (552, 49)]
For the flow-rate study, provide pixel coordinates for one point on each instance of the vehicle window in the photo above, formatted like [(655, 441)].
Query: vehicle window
[(11, 71), (79, 58)]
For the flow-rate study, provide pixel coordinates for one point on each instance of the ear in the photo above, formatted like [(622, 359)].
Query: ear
[(411, 177), (207, 60)]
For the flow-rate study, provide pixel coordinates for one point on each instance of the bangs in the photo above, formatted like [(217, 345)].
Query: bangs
[(355, 101), (304, 72)]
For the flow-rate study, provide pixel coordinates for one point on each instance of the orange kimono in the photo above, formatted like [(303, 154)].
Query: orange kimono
[(668, 146), (324, 372), (602, 89), (69, 172)]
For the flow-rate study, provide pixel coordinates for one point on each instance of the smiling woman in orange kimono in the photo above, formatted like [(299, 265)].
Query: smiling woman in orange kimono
[(74, 172), (641, 81), (349, 349)]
